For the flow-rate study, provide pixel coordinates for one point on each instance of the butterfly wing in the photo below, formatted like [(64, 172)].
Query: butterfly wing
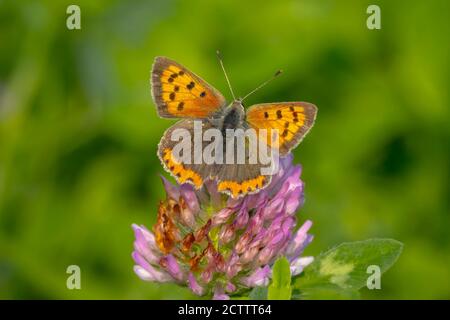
[(234, 179), (293, 120), (184, 171), (239, 178), (179, 93)]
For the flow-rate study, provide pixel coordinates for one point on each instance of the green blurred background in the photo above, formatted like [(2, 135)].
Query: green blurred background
[(78, 130)]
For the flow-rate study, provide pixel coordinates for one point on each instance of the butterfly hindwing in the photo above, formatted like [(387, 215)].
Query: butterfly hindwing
[(293, 120), (239, 179), (179, 93), (234, 179), (184, 171)]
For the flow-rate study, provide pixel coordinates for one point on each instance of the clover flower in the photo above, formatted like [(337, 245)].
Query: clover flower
[(218, 245)]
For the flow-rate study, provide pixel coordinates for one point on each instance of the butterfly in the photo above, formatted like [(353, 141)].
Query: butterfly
[(179, 93)]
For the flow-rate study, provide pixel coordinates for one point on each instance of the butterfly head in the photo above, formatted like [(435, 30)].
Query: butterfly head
[(237, 104)]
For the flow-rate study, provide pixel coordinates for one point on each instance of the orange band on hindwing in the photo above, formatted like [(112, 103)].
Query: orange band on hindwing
[(181, 173), (239, 188)]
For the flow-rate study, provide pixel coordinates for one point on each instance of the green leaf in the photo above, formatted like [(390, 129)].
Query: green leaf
[(325, 292), (280, 287), (344, 269), (258, 293)]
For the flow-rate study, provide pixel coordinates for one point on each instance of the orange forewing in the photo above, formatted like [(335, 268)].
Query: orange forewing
[(179, 93), (292, 120)]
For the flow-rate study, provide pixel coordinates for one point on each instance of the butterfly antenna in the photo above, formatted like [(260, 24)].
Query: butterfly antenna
[(262, 84), (219, 56)]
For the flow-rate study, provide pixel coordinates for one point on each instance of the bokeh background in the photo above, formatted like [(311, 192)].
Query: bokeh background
[(78, 130)]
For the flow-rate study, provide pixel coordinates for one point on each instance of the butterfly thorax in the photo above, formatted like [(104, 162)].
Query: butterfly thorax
[(233, 116)]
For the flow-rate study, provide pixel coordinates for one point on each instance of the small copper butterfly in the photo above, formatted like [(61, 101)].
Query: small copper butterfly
[(179, 93)]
